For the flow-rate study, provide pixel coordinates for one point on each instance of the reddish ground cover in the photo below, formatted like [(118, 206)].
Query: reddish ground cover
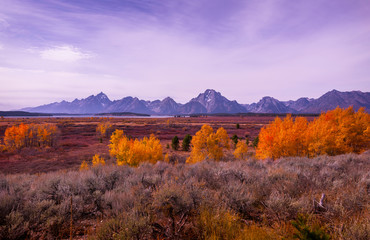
[(79, 141)]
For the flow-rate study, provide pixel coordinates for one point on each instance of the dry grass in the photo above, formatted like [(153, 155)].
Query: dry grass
[(208, 200)]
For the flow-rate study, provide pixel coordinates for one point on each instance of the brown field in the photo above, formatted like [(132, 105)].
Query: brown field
[(78, 140)]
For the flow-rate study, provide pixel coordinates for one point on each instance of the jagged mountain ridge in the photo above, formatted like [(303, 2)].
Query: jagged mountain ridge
[(298, 105), (167, 106), (336, 98), (214, 102), (269, 105), (209, 102), (91, 104)]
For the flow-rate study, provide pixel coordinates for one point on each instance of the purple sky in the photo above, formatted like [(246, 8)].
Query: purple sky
[(52, 50)]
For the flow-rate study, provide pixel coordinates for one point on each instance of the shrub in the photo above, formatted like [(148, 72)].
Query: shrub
[(84, 166), (131, 225), (16, 227), (186, 142), (219, 200), (104, 129), (175, 143), (255, 142), (7, 204), (174, 206), (306, 232), (97, 160), (235, 139), (214, 223)]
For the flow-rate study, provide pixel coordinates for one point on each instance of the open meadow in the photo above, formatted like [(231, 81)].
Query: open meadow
[(78, 140), (47, 193)]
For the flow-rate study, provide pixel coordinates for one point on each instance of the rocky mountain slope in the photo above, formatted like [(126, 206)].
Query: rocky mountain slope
[(208, 102)]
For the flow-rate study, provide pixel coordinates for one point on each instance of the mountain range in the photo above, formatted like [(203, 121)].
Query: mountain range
[(209, 102)]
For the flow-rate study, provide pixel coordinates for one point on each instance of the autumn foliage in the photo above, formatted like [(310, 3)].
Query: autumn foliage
[(208, 144), (134, 151), (104, 128), (84, 166), (336, 132), (241, 150), (96, 161), (30, 135)]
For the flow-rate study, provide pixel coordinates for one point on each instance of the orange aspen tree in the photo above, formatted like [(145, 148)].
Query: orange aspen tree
[(335, 132), (24, 135), (268, 140)]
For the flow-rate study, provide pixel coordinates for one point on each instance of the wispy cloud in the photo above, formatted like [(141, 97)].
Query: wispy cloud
[(245, 49), (64, 53), (3, 24)]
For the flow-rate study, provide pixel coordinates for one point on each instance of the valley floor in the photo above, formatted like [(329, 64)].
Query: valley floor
[(78, 139)]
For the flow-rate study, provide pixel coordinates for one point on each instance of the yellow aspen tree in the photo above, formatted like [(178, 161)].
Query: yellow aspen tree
[(216, 143), (241, 150), (153, 148), (103, 128), (199, 144), (133, 152), (97, 160), (207, 144), (119, 147)]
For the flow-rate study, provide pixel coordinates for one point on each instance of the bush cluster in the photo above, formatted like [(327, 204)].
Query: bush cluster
[(334, 132), (206, 200), (30, 135), (135, 151), (104, 129)]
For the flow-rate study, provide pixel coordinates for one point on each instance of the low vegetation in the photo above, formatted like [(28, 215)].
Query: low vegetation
[(206, 200)]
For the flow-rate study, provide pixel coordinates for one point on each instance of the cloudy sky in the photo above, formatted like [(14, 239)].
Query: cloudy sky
[(52, 50)]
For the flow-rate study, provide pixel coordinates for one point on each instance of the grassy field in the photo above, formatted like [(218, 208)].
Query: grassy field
[(43, 195)]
